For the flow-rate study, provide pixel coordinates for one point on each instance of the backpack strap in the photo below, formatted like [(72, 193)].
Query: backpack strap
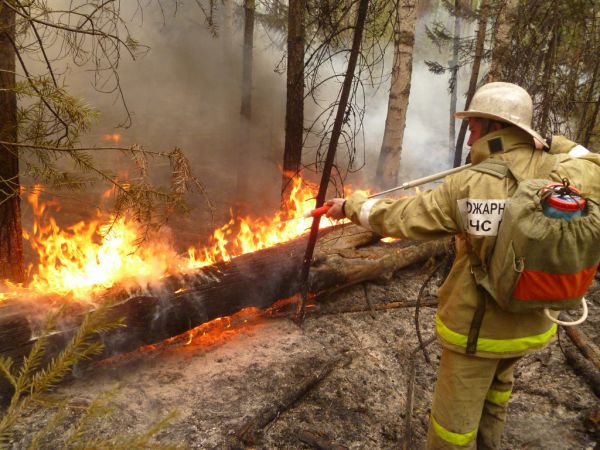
[(476, 321), (479, 272), (496, 167), (501, 169)]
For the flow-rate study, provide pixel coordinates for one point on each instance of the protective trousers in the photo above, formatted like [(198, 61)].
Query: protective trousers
[(469, 403)]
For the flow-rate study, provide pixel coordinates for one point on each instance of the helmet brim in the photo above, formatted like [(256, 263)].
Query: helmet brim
[(484, 115)]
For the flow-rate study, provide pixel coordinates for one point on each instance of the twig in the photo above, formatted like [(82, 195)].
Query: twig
[(369, 302), (425, 344), (410, 394), (250, 430), (318, 442), (418, 307), (60, 26), (132, 149), (382, 307)]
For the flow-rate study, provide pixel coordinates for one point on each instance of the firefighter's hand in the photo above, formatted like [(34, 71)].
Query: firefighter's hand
[(336, 211)]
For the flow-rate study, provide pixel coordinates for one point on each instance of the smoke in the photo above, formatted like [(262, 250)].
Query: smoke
[(426, 147), (186, 92)]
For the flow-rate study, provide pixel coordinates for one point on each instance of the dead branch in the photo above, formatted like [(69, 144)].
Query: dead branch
[(417, 308), (550, 395), (583, 367), (368, 299), (410, 394), (335, 135), (583, 343), (250, 431), (430, 302), (318, 442)]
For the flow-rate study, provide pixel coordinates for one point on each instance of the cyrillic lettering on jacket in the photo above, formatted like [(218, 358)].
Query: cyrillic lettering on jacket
[(481, 217)]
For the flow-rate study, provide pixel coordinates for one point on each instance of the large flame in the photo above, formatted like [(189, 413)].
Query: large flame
[(247, 235), (82, 260), (88, 257)]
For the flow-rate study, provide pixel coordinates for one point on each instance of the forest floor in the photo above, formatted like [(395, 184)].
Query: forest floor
[(219, 386)]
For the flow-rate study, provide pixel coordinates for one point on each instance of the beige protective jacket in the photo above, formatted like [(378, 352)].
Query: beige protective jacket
[(470, 205)]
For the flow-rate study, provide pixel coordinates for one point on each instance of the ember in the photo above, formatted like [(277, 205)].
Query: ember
[(114, 137), (215, 332)]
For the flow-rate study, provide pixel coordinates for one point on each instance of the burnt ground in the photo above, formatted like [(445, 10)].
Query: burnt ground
[(217, 386)]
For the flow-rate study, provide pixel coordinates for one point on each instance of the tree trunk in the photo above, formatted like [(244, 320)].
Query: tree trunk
[(547, 83), (388, 164), (246, 110), (226, 32), (338, 123), (454, 77), (479, 47), (11, 244), (242, 156), (586, 126), (294, 109), (501, 39), (592, 123)]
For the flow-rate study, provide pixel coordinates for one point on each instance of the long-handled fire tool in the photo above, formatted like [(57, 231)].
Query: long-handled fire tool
[(407, 185)]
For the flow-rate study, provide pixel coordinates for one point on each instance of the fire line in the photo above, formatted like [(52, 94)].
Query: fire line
[(85, 259)]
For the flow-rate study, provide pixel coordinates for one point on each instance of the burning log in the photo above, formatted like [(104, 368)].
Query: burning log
[(346, 255)]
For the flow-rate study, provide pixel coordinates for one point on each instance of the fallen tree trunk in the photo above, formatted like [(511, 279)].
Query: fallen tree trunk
[(346, 255)]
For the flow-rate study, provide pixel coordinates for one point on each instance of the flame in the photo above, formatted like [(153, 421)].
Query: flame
[(86, 258), (208, 335), (247, 235), (112, 137), (82, 260), (213, 333)]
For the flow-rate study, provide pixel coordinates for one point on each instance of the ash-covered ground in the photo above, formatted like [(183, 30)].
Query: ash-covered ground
[(219, 386)]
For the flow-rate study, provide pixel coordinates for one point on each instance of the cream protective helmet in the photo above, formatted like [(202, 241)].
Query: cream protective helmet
[(505, 102)]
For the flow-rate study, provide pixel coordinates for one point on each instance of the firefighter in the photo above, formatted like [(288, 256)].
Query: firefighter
[(481, 342)]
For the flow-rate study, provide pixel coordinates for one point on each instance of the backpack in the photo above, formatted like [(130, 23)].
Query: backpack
[(539, 262)]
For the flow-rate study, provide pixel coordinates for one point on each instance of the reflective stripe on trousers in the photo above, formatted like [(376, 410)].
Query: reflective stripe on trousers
[(469, 403), (460, 439), (495, 345), (498, 397)]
